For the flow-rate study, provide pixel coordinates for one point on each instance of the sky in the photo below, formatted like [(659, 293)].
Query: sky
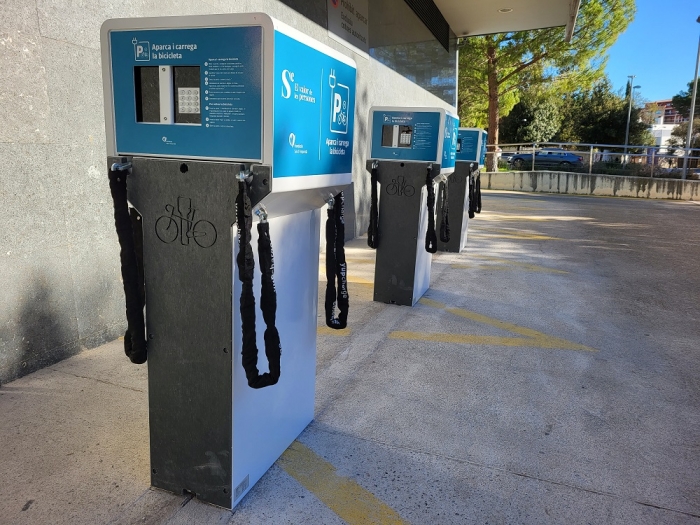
[(660, 47)]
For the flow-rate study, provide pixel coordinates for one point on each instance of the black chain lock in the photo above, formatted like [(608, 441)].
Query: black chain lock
[(336, 266), (268, 295), (430, 236)]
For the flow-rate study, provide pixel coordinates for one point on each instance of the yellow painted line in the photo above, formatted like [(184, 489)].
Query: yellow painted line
[(350, 501), (360, 261), (527, 208), (526, 266), (479, 267), (489, 340), (360, 280), (324, 330), (532, 218), (514, 235), (350, 279), (538, 339)]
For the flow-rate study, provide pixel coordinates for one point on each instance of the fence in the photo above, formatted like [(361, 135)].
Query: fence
[(604, 159)]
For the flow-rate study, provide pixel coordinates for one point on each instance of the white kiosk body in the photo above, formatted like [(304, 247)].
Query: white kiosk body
[(191, 103)]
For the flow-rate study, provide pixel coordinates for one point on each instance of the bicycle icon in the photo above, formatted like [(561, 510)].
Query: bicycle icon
[(181, 224), (399, 187)]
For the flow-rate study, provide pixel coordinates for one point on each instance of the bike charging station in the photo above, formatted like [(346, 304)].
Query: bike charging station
[(206, 118), (462, 202), (411, 149)]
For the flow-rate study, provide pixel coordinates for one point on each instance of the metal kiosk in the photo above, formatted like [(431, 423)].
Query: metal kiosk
[(207, 117), (471, 154), (411, 149)]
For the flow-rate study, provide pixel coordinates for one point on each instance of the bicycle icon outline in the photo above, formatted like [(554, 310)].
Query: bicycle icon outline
[(400, 187), (182, 224)]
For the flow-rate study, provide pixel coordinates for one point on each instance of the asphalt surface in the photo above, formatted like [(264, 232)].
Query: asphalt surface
[(551, 374)]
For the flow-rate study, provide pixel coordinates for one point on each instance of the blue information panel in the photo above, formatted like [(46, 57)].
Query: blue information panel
[(221, 113), (449, 146), (472, 145), (405, 135), (314, 108)]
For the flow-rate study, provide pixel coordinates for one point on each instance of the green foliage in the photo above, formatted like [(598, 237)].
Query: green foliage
[(599, 116), (682, 101), (533, 119), (680, 133), (495, 69)]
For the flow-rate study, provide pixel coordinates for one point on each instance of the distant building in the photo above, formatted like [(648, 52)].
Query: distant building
[(664, 118), (665, 113)]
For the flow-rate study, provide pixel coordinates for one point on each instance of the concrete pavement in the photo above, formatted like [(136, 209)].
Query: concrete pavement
[(550, 375)]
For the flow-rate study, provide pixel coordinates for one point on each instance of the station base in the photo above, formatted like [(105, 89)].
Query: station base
[(458, 213), (402, 268), (210, 433)]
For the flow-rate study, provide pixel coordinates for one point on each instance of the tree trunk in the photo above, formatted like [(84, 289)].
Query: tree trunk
[(491, 159)]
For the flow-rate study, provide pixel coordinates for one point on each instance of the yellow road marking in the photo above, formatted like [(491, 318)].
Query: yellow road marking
[(533, 218), (533, 337), (324, 330), (350, 501), (359, 280), (360, 261), (486, 340), (501, 234), (526, 266), (350, 279)]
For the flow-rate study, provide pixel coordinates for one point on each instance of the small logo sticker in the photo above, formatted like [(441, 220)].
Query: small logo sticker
[(142, 50)]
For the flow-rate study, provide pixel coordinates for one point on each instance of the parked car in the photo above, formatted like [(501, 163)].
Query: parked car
[(506, 156), (546, 158)]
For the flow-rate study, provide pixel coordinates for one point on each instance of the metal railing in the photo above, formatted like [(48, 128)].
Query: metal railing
[(611, 159)]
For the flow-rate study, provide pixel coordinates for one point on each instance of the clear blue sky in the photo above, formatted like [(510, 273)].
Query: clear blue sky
[(659, 47)]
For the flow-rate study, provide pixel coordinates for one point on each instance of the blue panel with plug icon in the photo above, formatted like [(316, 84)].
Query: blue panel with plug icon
[(449, 147), (314, 106)]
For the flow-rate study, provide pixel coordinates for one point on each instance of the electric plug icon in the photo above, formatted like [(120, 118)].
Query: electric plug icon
[(331, 79)]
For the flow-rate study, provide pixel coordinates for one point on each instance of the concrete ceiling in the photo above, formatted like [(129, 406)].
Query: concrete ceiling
[(482, 17)]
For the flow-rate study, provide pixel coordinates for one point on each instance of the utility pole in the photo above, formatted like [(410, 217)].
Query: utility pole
[(629, 114), (689, 138)]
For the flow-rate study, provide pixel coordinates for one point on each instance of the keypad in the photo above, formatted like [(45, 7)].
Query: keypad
[(188, 100)]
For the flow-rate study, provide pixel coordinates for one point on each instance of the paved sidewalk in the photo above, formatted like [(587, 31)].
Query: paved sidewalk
[(550, 375)]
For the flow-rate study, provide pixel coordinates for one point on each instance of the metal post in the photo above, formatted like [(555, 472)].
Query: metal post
[(629, 115), (653, 152), (689, 138), (533, 156), (590, 161)]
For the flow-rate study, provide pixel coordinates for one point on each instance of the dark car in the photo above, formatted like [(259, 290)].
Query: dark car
[(546, 158)]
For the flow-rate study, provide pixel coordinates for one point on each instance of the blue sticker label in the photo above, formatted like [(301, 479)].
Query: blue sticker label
[(405, 135), (314, 108), (222, 112)]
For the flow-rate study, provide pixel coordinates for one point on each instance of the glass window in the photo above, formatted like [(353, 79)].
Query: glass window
[(401, 41)]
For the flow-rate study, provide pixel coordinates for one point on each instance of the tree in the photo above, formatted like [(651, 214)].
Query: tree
[(533, 119), (652, 112), (681, 102), (494, 69), (681, 133), (599, 116)]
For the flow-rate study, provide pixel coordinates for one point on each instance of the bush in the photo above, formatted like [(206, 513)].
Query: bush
[(631, 170)]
